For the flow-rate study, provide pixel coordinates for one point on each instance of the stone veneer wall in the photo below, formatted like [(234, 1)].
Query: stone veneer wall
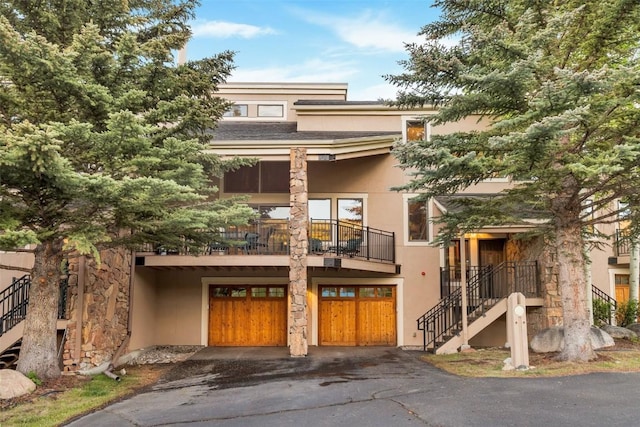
[(104, 309), (538, 249)]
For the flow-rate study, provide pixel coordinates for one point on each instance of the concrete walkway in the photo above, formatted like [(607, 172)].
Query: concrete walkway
[(364, 387)]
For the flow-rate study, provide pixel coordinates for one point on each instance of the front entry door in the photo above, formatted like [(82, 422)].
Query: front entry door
[(491, 252), (490, 255)]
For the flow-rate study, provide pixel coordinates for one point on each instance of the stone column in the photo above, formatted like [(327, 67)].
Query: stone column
[(298, 247)]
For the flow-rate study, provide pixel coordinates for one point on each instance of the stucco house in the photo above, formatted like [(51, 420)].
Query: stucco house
[(364, 269)]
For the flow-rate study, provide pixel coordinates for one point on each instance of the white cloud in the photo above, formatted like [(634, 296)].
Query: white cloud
[(368, 30), (221, 29), (373, 93), (314, 70)]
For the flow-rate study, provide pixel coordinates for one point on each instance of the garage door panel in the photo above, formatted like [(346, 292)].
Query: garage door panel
[(364, 317), (338, 322), (238, 319), (376, 322)]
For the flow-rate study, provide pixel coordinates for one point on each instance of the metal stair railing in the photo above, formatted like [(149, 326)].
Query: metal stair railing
[(14, 300), (13, 303), (610, 302), (485, 287)]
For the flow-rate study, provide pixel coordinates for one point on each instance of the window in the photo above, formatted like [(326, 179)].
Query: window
[(417, 221), (271, 110), (319, 208), (382, 292), (265, 177), (416, 131), (237, 110), (272, 211), (350, 210)]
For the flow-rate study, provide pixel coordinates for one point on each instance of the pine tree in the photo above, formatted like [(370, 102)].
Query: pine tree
[(559, 84), (102, 140)]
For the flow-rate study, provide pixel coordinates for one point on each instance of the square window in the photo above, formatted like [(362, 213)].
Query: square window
[(415, 131)]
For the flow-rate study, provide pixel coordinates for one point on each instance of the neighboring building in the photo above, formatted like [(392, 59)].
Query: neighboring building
[(372, 270)]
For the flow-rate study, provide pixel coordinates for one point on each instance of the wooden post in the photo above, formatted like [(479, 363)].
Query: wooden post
[(463, 289), (298, 248), (517, 330)]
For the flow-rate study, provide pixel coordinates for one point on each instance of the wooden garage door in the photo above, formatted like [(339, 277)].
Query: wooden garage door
[(357, 315), (247, 315)]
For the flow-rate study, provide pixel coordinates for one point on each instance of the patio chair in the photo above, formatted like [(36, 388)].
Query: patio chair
[(351, 247), (255, 242), (315, 246)]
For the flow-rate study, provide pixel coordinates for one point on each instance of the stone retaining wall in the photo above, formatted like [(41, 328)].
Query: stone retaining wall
[(104, 309), (538, 249)]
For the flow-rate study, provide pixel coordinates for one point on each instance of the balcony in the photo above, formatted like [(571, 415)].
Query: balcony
[(332, 243), (622, 243)]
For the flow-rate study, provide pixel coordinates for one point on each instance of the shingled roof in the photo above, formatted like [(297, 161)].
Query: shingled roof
[(275, 131)]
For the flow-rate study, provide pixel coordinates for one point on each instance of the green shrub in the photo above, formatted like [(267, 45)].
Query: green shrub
[(627, 313), (602, 311), (34, 377)]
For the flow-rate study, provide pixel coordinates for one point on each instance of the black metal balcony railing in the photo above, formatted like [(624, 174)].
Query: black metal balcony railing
[(622, 243), (505, 278), (271, 237), (485, 287)]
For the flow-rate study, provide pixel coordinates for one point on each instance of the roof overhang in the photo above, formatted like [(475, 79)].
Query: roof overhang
[(317, 150)]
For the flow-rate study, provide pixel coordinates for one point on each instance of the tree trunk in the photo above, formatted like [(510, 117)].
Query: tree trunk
[(38, 352), (572, 283)]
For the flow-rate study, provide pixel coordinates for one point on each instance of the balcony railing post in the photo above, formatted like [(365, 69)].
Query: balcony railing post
[(368, 241)]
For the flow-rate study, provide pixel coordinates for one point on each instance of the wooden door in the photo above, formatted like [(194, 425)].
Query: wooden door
[(247, 316), (622, 293), (490, 252), (357, 315)]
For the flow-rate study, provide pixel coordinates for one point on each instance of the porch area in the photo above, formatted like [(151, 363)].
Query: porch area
[(328, 238), (487, 288)]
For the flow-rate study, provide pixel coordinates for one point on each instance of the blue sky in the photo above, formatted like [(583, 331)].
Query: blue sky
[(343, 41)]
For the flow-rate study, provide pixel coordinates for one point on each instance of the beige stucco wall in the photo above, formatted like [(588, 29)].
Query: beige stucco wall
[(143, 310), (383, 122), (22, 260), (178, 308)]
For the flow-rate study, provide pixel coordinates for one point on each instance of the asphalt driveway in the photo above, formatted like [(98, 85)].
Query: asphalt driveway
[(364, 387)]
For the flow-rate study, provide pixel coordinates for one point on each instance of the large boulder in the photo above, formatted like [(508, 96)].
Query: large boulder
[(551, 340), (14, 384), (635, 327), (619, 332)]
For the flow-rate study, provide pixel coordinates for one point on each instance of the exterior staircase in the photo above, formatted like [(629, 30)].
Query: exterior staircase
[(14, 300), (487, 291)]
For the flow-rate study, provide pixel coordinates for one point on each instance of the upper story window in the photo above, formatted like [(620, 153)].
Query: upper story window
[(270, 110), (265, 177), (238, 110), (417, 225), (415, 129), (417, 221)]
